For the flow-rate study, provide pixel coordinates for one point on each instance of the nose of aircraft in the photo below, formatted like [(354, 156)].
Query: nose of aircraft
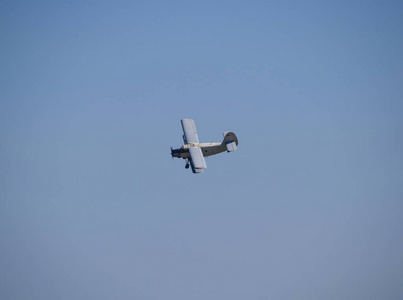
[(174, 152)]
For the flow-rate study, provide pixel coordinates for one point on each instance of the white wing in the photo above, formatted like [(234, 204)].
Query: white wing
[(189, 130), (197, 160)]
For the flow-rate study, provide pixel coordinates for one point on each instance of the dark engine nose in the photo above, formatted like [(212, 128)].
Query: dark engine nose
[(176, 152)]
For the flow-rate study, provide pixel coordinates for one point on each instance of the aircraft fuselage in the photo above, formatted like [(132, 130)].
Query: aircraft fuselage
[(207, 149)]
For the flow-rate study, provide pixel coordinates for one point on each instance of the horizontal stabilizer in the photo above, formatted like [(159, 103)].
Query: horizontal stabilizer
[(230, 141), (231, 146)]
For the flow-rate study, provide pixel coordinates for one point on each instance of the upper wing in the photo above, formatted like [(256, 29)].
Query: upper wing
[(189, 130), (197, 160)]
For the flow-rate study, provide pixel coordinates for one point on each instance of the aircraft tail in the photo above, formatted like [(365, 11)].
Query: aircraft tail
[(230, 141)]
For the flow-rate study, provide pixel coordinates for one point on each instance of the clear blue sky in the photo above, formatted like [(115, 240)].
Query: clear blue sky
[(91, 97)]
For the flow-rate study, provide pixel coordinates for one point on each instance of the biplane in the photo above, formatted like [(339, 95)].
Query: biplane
[(194, 151)]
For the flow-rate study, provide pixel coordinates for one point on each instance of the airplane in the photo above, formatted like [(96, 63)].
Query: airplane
[(194, 151)]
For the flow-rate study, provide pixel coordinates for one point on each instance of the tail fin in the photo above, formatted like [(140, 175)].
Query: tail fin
[(230, 141)]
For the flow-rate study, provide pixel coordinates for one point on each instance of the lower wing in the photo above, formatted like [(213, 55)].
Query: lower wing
[(197, 160)]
